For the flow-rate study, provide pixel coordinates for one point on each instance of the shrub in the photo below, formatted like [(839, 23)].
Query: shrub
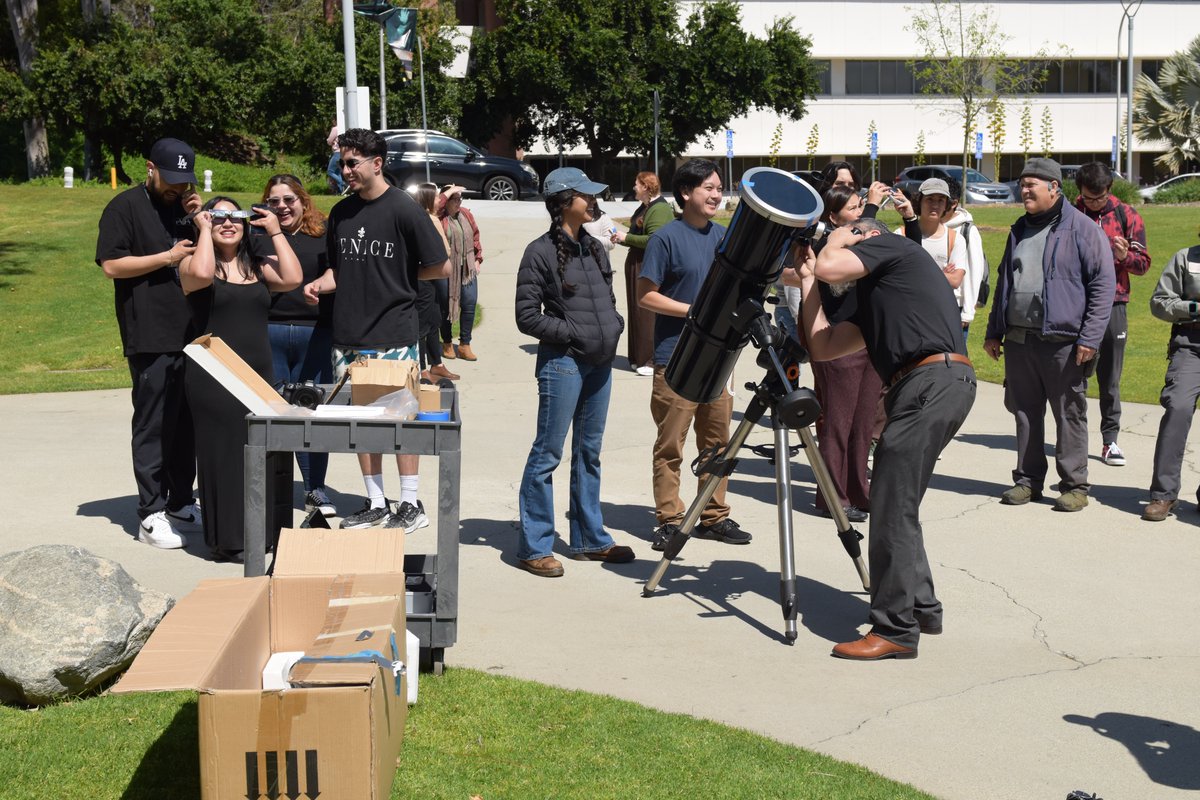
[(1182, 192)]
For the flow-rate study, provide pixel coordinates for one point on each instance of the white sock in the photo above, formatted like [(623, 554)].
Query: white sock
[(374, 489), (408, 488)]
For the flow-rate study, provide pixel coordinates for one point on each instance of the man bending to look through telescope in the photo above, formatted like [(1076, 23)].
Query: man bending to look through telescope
[(907, 318)]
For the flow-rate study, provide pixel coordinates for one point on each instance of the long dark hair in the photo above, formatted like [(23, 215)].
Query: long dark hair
[(835, 199), (247, 267), (556, 204), (830, 171)]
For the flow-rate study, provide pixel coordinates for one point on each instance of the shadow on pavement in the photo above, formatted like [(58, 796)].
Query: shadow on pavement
[(121, 511), (1167, 752)]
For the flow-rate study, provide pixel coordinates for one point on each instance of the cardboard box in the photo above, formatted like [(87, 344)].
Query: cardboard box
[(238, 378), (339, 597), (373, 378), (429, 398)]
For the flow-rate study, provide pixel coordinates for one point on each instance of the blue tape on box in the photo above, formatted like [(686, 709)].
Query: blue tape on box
[(433, 416)]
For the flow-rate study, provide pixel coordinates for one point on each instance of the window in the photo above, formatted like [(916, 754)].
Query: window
[(879, 77), (1082, 76), (821, 70), (445, 146)]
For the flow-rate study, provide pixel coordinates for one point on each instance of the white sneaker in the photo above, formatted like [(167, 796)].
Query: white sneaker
[(156, 530), (1112, 455), (187, 518), (645, 371)]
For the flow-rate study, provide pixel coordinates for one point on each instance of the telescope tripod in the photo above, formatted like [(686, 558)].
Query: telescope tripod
[(791, 408)]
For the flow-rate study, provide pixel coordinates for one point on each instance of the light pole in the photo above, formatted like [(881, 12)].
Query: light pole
[(351, 68), (1129, 11)]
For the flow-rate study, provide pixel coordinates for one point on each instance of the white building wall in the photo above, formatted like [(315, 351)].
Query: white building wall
[(875, 29)]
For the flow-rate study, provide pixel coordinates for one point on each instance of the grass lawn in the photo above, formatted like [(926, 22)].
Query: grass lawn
[(471, 734), (61, 335)]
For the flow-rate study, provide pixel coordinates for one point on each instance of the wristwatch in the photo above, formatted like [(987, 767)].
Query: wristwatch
[(1192, 308)]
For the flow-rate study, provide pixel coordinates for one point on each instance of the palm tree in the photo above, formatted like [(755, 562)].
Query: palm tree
[(1169, 111)]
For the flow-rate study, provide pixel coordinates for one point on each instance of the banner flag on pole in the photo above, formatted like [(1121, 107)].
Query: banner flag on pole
[(399, 28)]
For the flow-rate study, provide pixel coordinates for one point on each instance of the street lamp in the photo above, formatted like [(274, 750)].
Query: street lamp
[(1129, 11)]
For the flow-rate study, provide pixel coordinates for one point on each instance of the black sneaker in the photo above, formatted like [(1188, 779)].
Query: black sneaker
[(367, 517), (663, 534), (408, 517), (726, 531), (318, 499)]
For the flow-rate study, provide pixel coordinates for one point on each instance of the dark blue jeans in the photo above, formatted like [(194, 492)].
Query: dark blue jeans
[(303, 353), (466, 318), (571, 395)]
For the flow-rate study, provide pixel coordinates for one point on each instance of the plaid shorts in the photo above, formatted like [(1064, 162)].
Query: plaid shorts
[(343, 358)]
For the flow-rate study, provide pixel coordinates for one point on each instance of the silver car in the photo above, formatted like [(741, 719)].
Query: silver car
[(980, 188), (1149, 192)]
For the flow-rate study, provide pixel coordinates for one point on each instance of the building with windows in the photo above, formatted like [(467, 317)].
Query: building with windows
[(867, 84)]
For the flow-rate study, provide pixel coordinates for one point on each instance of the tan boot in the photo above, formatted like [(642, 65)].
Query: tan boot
[(466, 353), (448, 350), (440, 371)]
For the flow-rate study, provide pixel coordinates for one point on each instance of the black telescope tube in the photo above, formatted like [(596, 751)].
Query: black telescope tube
[(775, 204)]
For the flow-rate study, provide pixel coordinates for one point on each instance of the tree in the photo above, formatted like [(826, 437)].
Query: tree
[(1026, 130), (23, 19), (1169, 111), (1047, 132), (540, 73), (996, 129), (964, 57)]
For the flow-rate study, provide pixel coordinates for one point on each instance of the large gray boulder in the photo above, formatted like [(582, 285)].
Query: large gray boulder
[(69, 620)]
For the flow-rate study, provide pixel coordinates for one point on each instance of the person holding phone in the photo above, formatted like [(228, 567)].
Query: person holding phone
[(228, 291)]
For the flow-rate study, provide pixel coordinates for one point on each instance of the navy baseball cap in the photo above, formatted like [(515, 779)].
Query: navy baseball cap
[(565, 179), (174, 160)]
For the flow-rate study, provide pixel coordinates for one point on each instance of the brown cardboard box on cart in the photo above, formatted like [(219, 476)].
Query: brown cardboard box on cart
[(373, 378), (338, 730)]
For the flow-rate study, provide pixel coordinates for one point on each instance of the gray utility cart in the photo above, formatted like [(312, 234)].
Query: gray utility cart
[(431, 579)]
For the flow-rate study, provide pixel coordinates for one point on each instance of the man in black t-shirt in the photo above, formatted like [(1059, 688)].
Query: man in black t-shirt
[(143, 237), (906, 316), (380, 243)]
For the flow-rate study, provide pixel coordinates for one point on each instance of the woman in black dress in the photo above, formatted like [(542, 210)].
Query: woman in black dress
[(229, 294)]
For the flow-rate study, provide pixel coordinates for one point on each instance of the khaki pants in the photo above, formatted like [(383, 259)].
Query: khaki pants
[(674, 415)]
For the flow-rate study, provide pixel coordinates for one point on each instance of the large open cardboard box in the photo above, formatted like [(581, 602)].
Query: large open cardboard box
[(338, 730)]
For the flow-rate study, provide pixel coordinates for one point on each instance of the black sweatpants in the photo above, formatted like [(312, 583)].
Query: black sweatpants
[(164, 445)]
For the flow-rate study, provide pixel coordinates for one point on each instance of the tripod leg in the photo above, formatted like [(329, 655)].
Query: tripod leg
[(678, 540), (787, 560), (850, 537)]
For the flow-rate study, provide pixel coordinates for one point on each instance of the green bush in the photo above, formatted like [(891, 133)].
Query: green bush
[(1182, 192), (234, 178)]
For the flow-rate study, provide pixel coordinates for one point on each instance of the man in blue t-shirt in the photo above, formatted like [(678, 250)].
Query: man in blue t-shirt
[(678, 257)]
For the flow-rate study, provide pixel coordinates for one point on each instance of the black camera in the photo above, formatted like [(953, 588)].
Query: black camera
[(306, 394)]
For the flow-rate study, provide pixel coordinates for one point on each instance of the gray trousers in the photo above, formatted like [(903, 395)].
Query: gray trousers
[(924, 411), (1110, 361), (1178, 400), (1037, 372)]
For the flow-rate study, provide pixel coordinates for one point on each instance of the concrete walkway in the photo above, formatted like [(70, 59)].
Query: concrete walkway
[(1065, 663)]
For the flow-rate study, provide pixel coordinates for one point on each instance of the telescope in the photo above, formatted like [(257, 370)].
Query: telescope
[(777, 209)]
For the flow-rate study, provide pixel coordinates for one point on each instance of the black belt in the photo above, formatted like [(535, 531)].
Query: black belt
[(1188, 326), (947, 358)]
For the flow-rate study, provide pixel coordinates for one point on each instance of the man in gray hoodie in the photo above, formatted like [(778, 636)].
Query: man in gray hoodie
[(1054, 293)]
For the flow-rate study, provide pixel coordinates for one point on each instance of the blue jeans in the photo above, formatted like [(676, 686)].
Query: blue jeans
[(570, 395), (302, 353), (334, 171), (466, 302)]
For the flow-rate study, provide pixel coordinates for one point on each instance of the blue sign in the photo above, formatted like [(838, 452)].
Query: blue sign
[(729, 137), (874, 145), (729, 153), (1114, 152), (978, 146)]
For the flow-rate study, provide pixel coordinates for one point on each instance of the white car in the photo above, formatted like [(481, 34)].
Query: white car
[(1149, 192)]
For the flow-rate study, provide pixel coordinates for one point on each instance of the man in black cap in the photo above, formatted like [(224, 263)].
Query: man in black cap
[(1054, 294), (143, 237), (906, 316)]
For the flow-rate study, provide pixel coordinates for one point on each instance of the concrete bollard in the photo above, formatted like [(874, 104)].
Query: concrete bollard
[(208, 180), (69, 178)]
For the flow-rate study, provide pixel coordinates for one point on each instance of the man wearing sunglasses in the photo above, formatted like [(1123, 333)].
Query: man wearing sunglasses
[(380, 243), (1127, 234), (144, 234)]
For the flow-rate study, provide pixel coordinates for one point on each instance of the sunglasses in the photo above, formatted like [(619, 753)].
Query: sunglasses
[(290, 200), (223, 214), (351, 163)]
